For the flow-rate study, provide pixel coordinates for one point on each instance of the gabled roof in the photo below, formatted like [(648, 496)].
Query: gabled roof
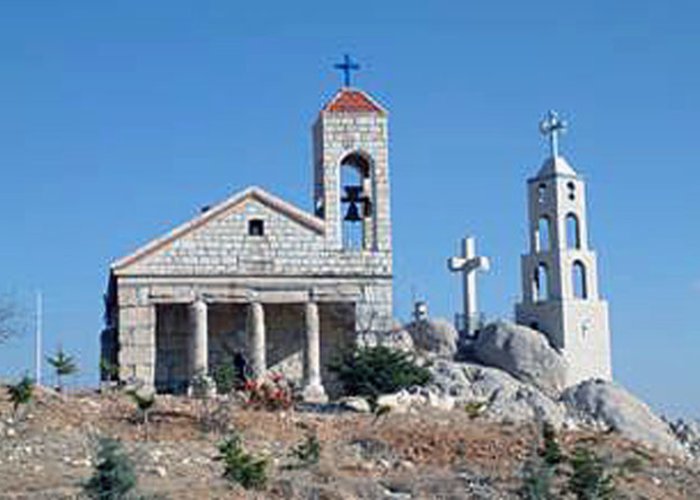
[(255, 193), (350, 100)]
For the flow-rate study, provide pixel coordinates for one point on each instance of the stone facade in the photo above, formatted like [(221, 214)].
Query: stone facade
[(256, 274)]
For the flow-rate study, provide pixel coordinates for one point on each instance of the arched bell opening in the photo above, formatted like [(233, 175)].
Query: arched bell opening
[(573, 232), (540, 283), (543, 234), (578, 277), (356, 201)]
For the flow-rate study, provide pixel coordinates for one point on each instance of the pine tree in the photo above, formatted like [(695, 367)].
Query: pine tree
[(64, 365), (589, 480), (114, 476)]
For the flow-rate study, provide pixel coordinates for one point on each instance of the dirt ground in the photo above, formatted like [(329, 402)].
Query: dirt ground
[(49, 452)]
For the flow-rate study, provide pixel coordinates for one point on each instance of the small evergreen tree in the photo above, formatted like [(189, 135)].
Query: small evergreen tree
[(225, 377), (589, 480), (241, 467), (551, 451), (64, 365), (537, 480), (114, 477), (372, 371), (21, 393)]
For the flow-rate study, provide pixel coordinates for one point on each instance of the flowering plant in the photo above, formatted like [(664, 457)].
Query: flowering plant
[(273, 393)]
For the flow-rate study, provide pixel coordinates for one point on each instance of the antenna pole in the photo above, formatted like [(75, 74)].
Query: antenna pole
[(37, 343)]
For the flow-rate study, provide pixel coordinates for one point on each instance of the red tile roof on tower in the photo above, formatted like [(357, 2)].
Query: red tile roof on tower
[(351, 101)]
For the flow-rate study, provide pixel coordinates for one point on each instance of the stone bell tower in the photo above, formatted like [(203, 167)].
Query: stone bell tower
[(351, 134), (559, 274)]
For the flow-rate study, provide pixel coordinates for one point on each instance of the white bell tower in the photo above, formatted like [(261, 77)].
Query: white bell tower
[(559, 274)]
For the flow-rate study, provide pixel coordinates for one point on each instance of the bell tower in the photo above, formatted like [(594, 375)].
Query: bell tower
[(351, 170), (559, 274)]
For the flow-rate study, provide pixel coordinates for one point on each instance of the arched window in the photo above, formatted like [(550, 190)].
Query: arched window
[(540, 283), (543, 238), (356, 200), (578, 278), (573, 231)]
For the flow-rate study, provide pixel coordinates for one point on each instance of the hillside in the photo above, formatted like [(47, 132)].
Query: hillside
[(429, 453)]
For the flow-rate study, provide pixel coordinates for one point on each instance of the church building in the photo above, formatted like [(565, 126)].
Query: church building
[(560, 274), (255, 275)]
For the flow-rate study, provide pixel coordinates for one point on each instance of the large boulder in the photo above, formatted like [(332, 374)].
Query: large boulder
[(437, 335), (497, 395), (523, 352), (396, 339), (607, 405)]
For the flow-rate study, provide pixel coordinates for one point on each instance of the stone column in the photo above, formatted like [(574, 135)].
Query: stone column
[(199, 353), (313, 390), (256, 339)]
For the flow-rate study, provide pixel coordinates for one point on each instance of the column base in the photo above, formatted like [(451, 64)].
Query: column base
[(314, 393)]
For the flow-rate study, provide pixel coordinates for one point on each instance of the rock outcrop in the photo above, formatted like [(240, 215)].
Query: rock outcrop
[(522, 352), (398, 339), (608, 405), (437, 336), (500, 396)]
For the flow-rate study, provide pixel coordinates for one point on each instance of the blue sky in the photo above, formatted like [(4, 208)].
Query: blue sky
[(120, 119)]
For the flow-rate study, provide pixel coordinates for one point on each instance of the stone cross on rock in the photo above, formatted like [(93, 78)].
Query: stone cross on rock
[(468, 264)]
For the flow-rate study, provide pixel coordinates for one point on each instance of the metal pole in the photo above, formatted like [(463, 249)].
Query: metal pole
[(37, 343)]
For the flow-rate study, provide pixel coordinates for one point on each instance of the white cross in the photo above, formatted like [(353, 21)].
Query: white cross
[(552, 126), (468, 264)]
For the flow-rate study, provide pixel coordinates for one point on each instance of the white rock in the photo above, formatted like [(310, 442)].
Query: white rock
[(607, 404), (522, 352), (355, 403), (437, 335)]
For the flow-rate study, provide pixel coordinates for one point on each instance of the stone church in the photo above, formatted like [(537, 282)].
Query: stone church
[(257, 275)]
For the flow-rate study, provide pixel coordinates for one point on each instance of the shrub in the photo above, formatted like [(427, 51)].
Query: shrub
[(272, 394), (114, 477), (589, 479), (308, 452), (21, 393), (372, 371), (475, 408), (241, 467)]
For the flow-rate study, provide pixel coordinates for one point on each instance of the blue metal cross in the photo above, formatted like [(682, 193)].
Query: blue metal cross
[(346, 67), (553, 126)]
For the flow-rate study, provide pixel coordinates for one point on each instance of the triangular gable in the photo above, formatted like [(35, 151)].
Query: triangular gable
[(303, 218), (348, 100)]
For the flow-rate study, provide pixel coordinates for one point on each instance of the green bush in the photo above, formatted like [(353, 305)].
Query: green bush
[(241, 467), (21, 393), (589, 479), (114, 477), (372, 371)]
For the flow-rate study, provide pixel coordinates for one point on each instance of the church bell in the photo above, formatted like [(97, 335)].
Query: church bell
[(353, 214)]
